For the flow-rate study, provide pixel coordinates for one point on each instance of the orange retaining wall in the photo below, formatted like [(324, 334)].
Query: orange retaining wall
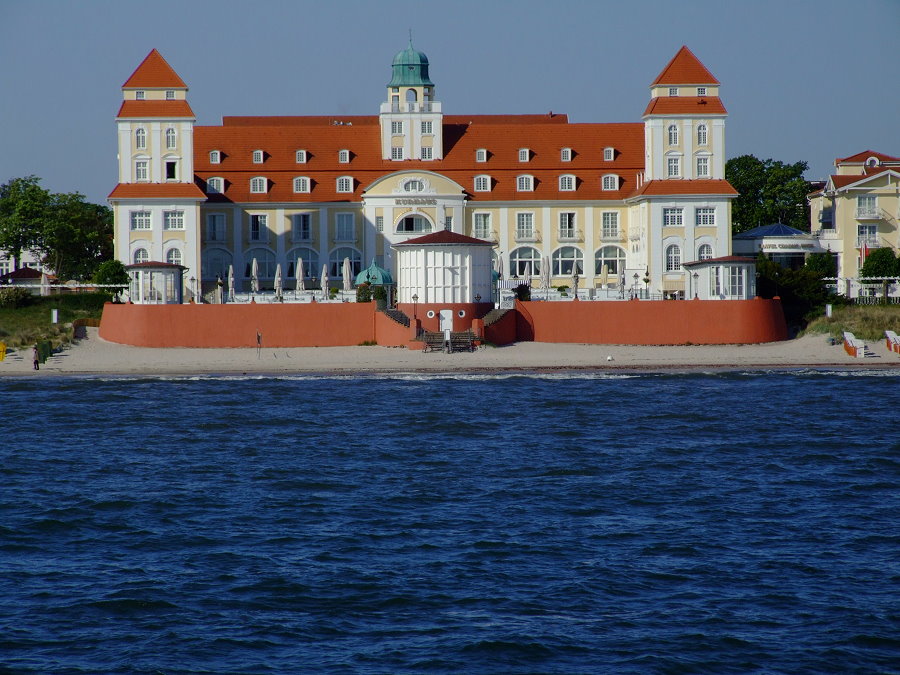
[(636, 322), (233, 325)]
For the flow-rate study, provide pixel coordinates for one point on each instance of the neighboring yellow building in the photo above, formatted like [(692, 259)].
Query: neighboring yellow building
[(609, 202), (857, 211)]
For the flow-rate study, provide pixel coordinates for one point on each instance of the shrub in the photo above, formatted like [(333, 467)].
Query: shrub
[(364, 292), (14, 297)]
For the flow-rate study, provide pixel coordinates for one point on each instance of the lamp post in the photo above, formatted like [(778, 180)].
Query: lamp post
[(575, 283), (696, 289), (634, 289), (477, 297), (193, 289), (647, 283), (415, 304)]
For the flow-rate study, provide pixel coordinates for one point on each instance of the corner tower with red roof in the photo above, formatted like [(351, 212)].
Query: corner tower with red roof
[(156, 203)]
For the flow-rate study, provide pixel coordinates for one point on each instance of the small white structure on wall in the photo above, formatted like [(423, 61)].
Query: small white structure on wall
[(443, 267), (727, 278)]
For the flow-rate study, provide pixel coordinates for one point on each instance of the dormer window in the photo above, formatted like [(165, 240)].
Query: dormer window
[(481, 155), (701, 91), (344, 156), (673, 91), (215, 157), (609, 154), (139, 95), (258, 185), (301, 157), (482, 183), (525, 183), (345, 184), (565, 155), (214, 186), (257, 156), (524, 154), (611, 182), (567, 183), (301, 184), (170, 94)]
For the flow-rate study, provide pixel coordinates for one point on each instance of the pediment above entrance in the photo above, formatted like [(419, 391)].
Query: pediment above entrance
[(413, 185)]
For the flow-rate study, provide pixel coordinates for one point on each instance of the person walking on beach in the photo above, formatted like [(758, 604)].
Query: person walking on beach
[(258, 343), (36, 356)]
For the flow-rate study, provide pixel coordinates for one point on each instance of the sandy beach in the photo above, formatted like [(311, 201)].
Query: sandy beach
[(94, 356)]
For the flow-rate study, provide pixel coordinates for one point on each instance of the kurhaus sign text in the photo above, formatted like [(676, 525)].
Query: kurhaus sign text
[(416, 201)]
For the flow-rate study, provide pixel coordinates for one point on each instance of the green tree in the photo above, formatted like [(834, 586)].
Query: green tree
[(23, 208), (823, 264), (769, 192), (111, 272), (803, 293), (884, 264)]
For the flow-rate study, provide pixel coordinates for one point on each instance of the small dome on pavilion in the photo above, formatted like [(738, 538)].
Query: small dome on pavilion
[(375, 275), (410, 68)]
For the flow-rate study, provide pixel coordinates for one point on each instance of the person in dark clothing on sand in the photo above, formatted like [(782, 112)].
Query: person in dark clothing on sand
[(36, 355)]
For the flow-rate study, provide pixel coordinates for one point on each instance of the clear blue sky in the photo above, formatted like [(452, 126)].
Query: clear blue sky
[(802, 80)]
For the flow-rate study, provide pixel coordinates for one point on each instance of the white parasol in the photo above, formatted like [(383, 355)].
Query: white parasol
[(347, 272), (545, 273), (604, 275), (254, 276), (301, 273), (231, 283), (324, 282), (279, 287)]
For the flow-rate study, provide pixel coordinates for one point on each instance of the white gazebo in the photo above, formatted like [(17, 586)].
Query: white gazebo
[(728, 278), (156, 283)]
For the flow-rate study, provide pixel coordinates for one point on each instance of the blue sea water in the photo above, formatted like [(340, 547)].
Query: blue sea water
[(525, 523)]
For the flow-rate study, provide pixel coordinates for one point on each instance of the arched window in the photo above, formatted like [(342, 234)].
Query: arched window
[(705, 252), (214, 185), (301, 184), (170, 139), (524, 260), (482, 183), (257, 156), (215, 156), (345, 184), (409, 224), (567, 183), (525, 183), (141, 256), (265, 263), (414, 185), (701, 134), (310, 259), (673, 134), (258, 184), (336, 262), (215, 263), (412, 96), (610, 182), (567, 260), (565, 155), (673, 258), (173, 256), (611, 256), (140, 139)]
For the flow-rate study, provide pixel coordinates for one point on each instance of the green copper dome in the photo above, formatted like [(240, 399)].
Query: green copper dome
[(410, 68), (375, 275)]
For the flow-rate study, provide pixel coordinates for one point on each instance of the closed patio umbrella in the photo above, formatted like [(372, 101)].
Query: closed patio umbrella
[(301, 273), (545, 273), (279, 288), (254, 276), (324, 282), (604, 275), (231, 282), (348, 275)]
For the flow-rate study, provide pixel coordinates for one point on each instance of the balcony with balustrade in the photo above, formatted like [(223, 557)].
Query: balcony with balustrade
[(570, 234), (526, 235), (411, 107)]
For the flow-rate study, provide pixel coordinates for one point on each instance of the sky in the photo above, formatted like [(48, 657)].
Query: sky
[(801, 80)]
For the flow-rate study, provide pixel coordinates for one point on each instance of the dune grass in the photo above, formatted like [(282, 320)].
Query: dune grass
[(867, 322), (24, 326)]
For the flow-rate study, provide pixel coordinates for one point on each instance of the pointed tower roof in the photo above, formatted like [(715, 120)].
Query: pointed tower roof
[(684, 68), (154, 72)]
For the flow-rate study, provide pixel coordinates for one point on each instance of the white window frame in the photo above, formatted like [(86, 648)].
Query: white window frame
[(301, 184), (481, 225), (609, 225), (525, 183), (672, 133), (344, 226), (173, 220), (427, 127), (524, 225), (524, 154), (673, 167), (142, 170), (173, 256), (140, 220), (140, 255), (565, 155), (139, 95), (215, 227), (560, 262), (705, 216), (140, 138), (609, 154), (215, 157), (427, 153), (396, 128), (413, 185), (259, 185), (170, 94), (673, 258), (702, 166), (567, 225), (171, 138), (567, 182), (702, 134), (482, 183), (344, 184), (215, 185), (344, 156), (300, 157), (260, 222), (301, 227), (673, 91), (258, 156), (481, 155), (673, 216), (704, 252), (610, 182), (701, 91), (397, 153)]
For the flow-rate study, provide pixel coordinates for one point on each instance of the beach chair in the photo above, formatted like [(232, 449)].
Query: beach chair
[(892, 341), (853, 346)]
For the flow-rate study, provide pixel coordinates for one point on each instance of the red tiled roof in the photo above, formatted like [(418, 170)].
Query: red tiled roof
[(139, 109), (154, 72), (157, 191), (658, 188), (23, 273), (861, 157), (685, 105), (842, 181), (685, 68), (444, 238), (501, 135)]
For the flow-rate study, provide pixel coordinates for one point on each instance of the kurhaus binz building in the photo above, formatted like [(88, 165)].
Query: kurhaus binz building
[(619, 204)]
